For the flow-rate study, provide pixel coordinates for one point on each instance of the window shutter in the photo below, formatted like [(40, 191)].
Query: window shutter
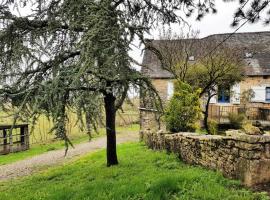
[(170, 89), (214, 98), (235, 96), (259, 94)]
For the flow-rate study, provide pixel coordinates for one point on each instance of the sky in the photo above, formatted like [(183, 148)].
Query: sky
[(210, 24)]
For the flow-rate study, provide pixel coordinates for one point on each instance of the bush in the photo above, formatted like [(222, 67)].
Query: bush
[(183, 110), (236, 120), (213, 127), (249, 129)]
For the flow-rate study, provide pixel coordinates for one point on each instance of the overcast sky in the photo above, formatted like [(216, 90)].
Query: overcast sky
[(210, 24)]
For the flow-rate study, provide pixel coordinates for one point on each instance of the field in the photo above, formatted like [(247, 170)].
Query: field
[(51, 145), (142, 175), (39, 133), (41, 141)]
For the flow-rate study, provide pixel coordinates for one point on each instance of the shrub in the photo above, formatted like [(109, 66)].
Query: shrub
[(236, 120), (213, 127), (183, 110), (249, 129)]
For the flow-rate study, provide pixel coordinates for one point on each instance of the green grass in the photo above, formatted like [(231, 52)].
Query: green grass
[(50, 145), (141, 175)]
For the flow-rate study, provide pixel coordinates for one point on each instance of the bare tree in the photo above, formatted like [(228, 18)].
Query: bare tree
[(175, 51), (219, 69), (193, 61)]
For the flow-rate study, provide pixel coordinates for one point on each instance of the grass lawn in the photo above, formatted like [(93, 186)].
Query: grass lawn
[(50, 145), (141, 175)]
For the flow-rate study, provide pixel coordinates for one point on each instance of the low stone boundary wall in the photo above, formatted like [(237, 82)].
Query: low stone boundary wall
[(244, 157)]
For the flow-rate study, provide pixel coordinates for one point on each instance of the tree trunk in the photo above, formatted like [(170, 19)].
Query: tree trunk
[(110, 110), (205, 121)]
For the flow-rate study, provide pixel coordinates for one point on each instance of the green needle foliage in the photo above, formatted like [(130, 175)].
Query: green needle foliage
[(73, 54), (183, 110)]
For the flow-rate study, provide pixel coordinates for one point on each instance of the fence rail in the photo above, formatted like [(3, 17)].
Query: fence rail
[(13, 138), (220, 113)]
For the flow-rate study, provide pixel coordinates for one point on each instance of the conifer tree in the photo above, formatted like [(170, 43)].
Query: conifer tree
[(60, 54)]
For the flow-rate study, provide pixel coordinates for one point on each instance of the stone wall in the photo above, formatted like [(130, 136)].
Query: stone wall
[(148, 118), (244, 157)]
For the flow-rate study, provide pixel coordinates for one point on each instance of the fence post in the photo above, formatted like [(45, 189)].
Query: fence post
[(10, 141), (5, 140), (22, 134), (26, 136)]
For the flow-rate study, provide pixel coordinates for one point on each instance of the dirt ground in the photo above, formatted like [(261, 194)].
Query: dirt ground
[(36, 163)]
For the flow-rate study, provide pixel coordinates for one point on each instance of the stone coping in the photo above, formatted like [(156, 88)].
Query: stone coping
[(239, 137)]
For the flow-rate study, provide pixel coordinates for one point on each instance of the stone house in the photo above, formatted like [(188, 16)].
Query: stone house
[(256, 59)]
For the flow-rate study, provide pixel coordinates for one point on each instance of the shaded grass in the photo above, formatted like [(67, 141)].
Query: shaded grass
[(51, 145), (142, 175)]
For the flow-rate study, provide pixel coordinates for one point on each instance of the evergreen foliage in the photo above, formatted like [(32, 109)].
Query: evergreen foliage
[(183, 111), (65, 54), (73, 54)]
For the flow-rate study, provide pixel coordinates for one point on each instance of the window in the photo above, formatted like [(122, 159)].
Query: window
[(224, 95), (267, 94)]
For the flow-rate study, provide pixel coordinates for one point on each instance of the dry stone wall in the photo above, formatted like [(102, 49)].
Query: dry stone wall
[(244, 157)]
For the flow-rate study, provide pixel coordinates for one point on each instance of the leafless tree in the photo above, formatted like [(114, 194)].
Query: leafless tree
[(205, 64)]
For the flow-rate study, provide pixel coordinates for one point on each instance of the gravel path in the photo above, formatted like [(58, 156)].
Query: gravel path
[(33, 164)]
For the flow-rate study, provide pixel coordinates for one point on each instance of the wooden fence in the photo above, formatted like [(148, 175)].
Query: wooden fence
[(13, 138), (220, 113)]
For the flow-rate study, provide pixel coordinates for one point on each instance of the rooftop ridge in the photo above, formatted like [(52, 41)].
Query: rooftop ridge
[(237, 33), (215, 34)]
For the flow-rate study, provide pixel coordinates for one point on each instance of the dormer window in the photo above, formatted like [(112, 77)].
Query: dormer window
[(248, 55), (191, 58)]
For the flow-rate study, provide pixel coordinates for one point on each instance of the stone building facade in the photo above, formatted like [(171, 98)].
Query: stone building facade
[(256, 56)]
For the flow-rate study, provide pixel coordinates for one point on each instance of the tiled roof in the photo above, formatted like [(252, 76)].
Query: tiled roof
[(257, 43)]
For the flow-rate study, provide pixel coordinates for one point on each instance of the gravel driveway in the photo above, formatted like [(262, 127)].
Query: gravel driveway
[(33, 164)]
